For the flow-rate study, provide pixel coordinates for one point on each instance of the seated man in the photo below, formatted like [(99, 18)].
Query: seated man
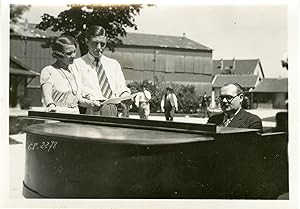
[(231, 98)]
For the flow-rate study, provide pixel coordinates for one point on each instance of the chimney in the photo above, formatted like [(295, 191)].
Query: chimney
[(222, 64), (183, 34), (26, 24), (233, 63)]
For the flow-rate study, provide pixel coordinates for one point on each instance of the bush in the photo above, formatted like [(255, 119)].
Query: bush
[(188, 101)]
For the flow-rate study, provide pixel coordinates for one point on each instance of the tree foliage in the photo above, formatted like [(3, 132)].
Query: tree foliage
[(75, 20), (16, 12)]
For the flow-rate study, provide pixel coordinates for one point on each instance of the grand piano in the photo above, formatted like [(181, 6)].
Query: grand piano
[(85, 156)]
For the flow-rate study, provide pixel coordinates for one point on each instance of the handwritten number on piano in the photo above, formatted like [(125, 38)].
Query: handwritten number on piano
[(44, 145)]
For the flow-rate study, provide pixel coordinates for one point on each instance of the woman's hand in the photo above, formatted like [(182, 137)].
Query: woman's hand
[(87, 96), (51, 108)]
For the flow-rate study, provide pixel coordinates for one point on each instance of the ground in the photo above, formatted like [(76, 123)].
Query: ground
[(17, 142)]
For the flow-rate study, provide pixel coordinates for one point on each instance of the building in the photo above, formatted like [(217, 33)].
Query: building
[(20, 75), (271, 93), (142, 57)]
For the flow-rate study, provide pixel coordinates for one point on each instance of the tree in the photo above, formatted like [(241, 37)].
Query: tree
[(16, 12), (75, 20)]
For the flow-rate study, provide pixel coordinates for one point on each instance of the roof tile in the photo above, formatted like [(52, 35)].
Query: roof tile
[(246, 81), (271, 85), (242, 66)]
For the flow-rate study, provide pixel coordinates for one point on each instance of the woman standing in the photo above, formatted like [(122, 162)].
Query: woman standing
[(61, 82)]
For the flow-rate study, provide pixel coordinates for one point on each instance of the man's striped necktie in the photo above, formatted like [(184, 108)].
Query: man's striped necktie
[(103, 81), (226, 121)]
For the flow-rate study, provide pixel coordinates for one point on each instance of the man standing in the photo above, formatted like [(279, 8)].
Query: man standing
[(204, 105), (169, 104), (142, 102), (102, 77), (231, 98)]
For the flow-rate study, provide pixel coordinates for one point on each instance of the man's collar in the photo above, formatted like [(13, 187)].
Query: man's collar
[(92, 58), (238, 110)]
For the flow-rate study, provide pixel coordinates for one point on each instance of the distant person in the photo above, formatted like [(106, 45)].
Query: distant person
[(231, 98), (102, 77), (169, 104), (142, 102), (204, 105), (61, 82)]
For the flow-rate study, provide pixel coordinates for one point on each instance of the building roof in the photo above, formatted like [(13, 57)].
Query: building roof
[(18, 68), (132, 39), (272, 85), (15, 71), (142, 39), (29, 30), (246, 81), (242, 66)]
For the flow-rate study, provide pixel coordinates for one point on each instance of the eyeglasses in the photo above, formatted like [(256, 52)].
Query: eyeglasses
[(228, 98)]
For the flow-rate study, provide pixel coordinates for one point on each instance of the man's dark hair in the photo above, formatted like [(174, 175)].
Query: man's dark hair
[(95, 30), (239, 88)]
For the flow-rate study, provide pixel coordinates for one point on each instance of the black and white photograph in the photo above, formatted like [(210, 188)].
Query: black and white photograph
[(149, 105)]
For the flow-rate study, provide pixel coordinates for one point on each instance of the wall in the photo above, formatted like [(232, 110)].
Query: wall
[(270, 100), (279, 100), (166, 64)]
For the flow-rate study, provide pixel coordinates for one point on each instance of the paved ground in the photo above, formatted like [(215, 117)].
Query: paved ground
[(17, 143)]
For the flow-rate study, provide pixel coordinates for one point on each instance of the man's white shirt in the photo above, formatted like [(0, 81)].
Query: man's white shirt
[(87, 67)]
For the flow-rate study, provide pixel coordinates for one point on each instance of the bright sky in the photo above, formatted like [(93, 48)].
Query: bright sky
[(240, 31)]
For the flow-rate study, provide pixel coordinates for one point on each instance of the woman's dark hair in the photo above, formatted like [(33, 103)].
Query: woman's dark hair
[(95, 30), (58, 45)]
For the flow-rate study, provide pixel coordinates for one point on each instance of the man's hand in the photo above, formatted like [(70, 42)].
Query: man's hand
[(96, 105)]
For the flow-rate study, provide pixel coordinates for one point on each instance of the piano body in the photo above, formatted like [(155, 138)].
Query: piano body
[(82, 156)]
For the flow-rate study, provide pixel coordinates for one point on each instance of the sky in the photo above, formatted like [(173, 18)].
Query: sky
[(239, 31)]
